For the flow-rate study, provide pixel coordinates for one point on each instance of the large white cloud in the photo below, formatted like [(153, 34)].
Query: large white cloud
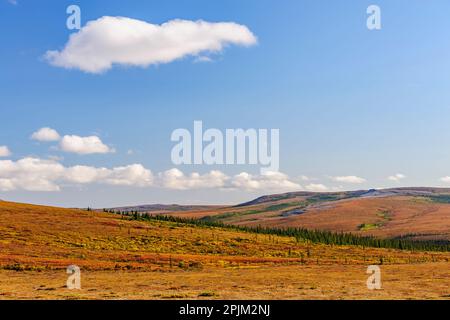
[(84, 145), (30, 174), (267, 181), (34, 174), (46, 134), (349, 179), (86, 174), (132, 175), (130, 42), (4, 151)]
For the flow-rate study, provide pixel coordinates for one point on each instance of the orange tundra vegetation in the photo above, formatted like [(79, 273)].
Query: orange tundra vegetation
[(37, 243)]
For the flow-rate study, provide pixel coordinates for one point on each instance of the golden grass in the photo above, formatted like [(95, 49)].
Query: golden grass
[(422, 281), (131, 259)]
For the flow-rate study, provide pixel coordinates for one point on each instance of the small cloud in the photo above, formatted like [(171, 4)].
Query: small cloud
[(130, 152), (177, 180), (349, 179), (55, 158), (84, 145), (4, 151), (445, 179), (397, 177), (271, 181), (316, 187), (13, 2), (46, 135), (203, 59)]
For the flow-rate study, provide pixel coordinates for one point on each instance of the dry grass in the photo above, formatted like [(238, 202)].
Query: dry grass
[(423, 281), (158, 260)]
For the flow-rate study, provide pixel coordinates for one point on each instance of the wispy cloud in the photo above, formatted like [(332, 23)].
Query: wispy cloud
[(349, 179), (396, 177), (316, 187), (268, 181), (175, 179)]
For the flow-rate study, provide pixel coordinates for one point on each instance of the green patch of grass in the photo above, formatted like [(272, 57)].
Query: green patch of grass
[(228, 215), (280, 206), (369, 226), (442, 198), (385, 214), (324, 197), (421, 200)]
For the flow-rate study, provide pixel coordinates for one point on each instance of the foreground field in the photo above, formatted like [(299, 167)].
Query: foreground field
[(423, 281), (121, 258)]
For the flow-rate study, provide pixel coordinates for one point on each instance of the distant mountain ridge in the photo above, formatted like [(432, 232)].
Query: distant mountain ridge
[(405, 191)]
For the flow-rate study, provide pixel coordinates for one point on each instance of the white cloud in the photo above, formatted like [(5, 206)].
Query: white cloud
[(268, 181), (316, 187), (349, 179), (13, 2), (4, 151), (200, 59), (6, 185), (33, 174), (86, 174), (132, 175), (45, 135), (84, 145), (107, 41), (30, 174), (445, 179), (397, 177), (72, 143), (175, 179)]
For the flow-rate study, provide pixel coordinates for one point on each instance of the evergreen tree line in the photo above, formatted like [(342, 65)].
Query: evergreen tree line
[(314, 236)]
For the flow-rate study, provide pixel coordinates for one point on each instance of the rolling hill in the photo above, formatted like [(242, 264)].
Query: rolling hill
[(412, 213), (121, 258)]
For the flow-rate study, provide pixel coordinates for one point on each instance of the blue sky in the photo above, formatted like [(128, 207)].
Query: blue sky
[(349, 102)]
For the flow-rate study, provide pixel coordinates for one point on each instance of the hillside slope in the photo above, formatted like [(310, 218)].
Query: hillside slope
[(39, 237), (415, 213), (121, 258)]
